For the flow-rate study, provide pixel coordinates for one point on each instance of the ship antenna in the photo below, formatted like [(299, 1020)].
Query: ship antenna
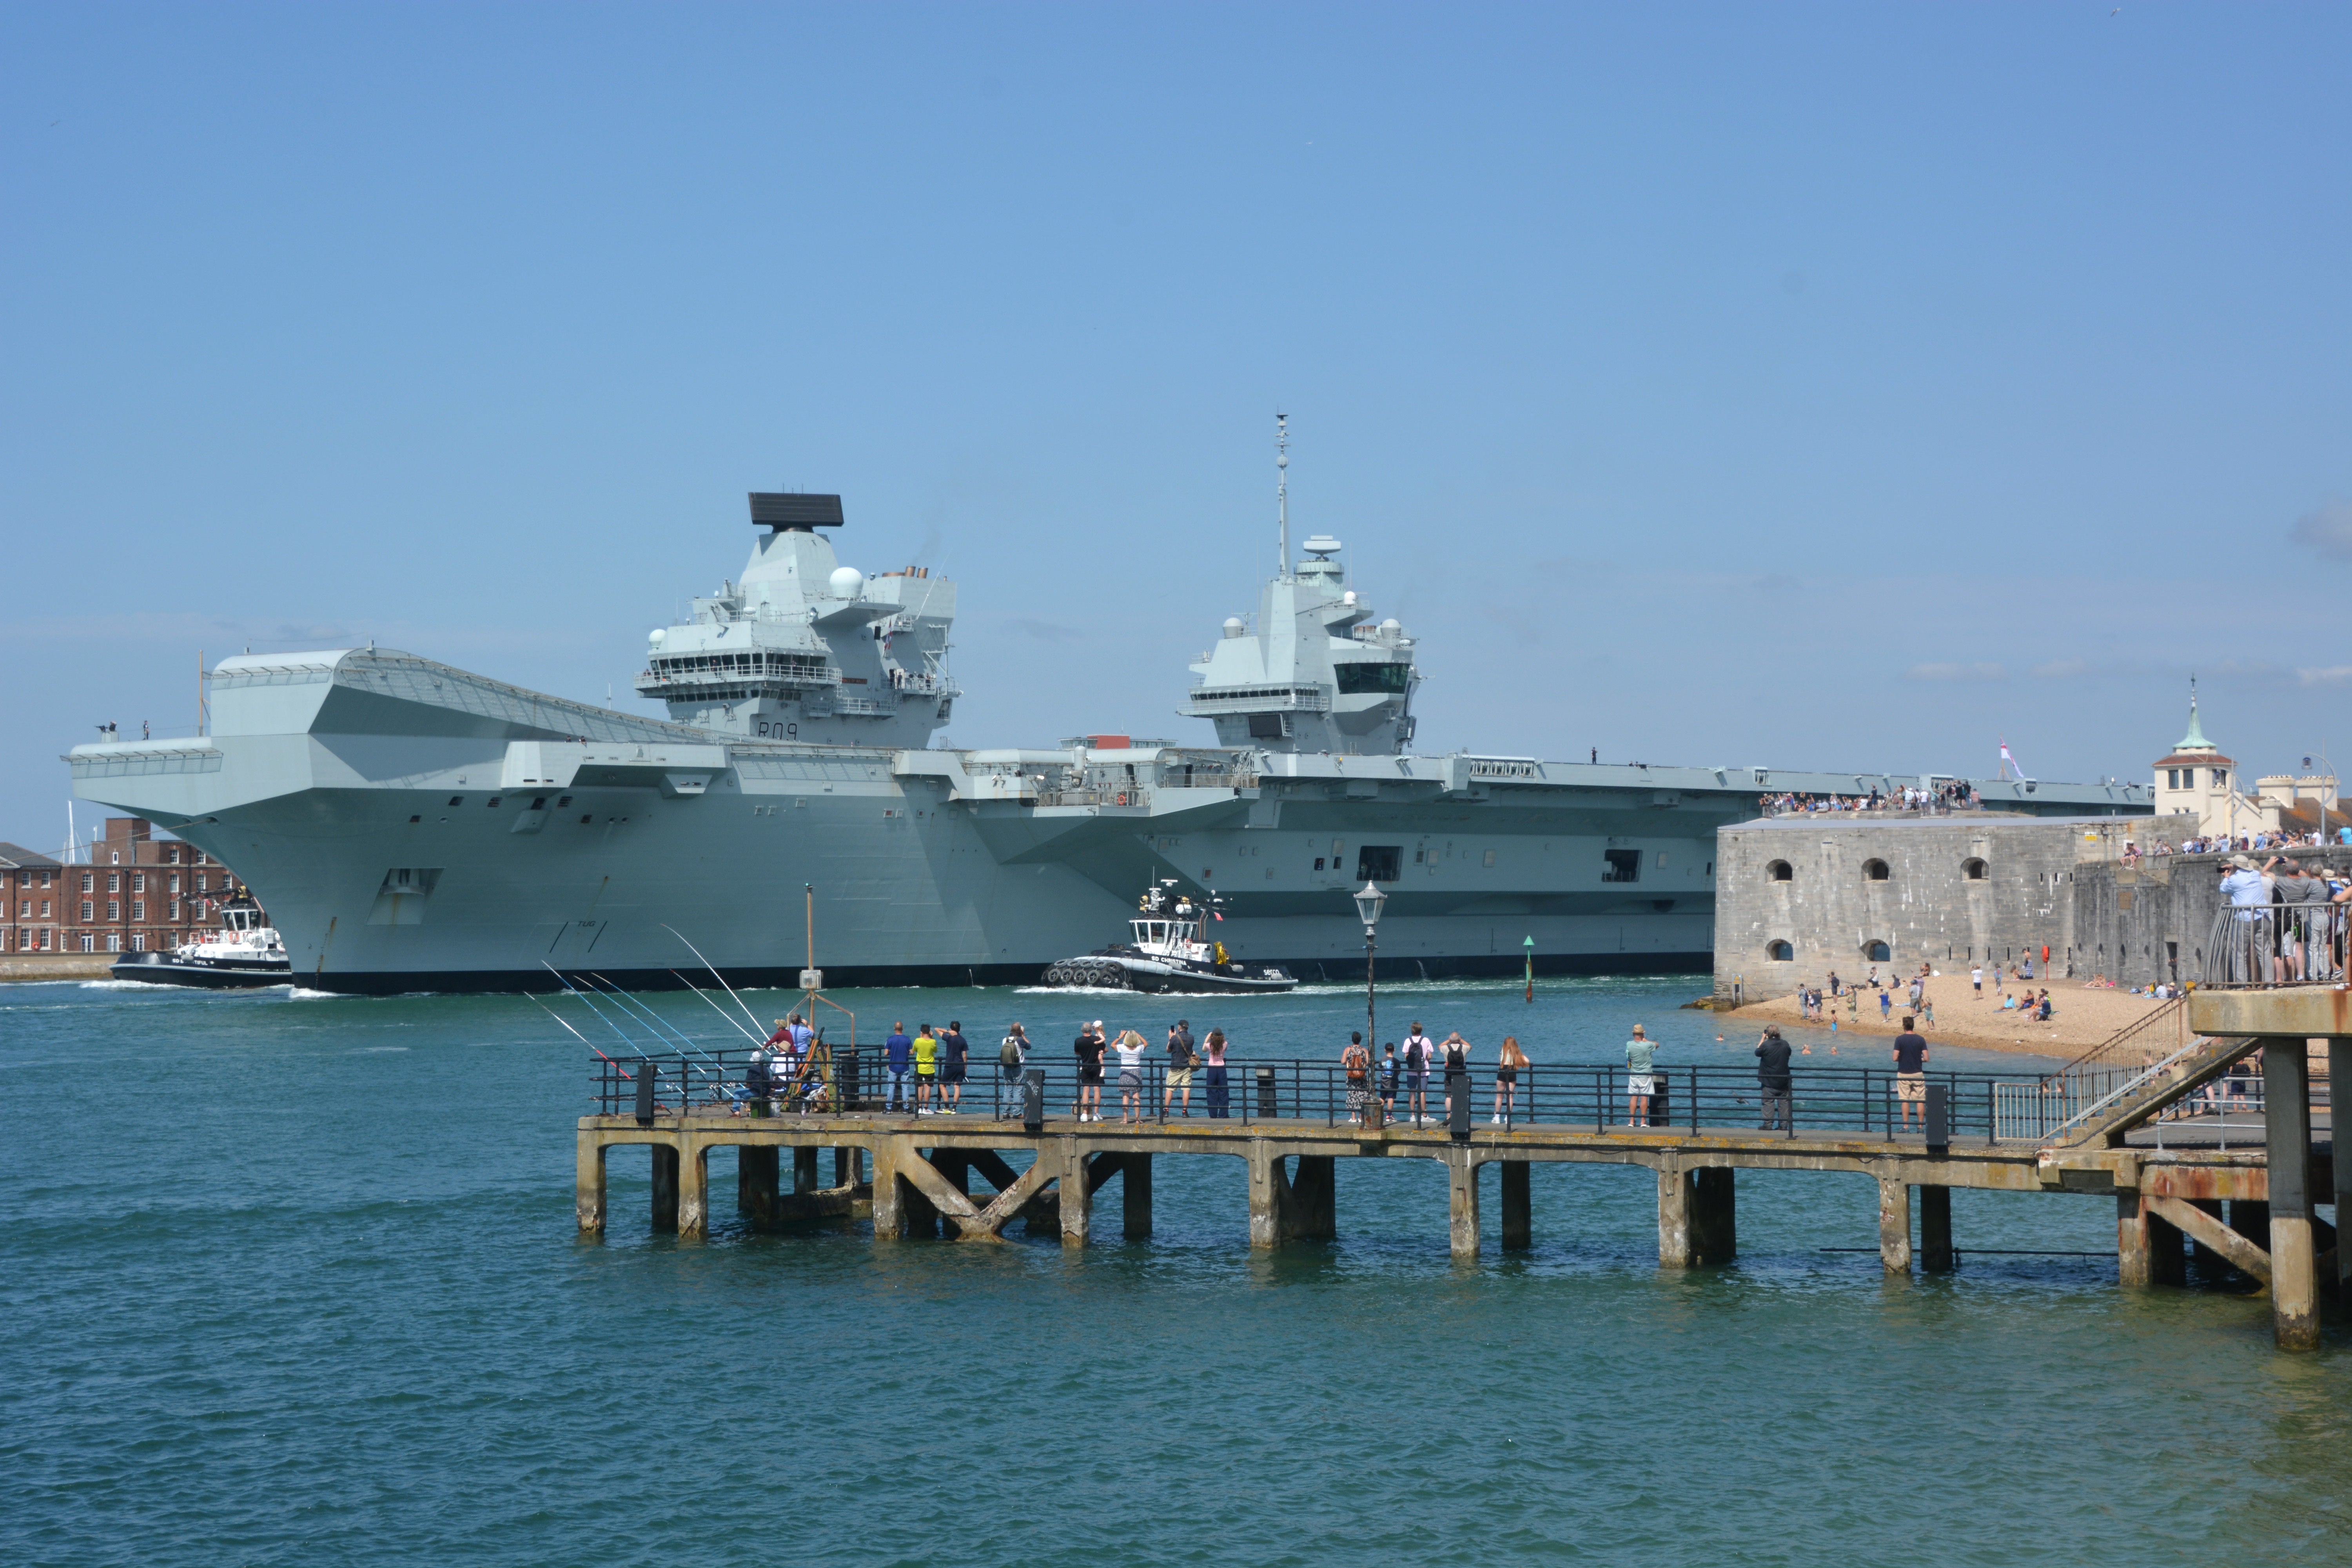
[(1282, 497)]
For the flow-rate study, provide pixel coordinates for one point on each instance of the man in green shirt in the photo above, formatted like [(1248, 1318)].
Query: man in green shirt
[(1640, 1083)]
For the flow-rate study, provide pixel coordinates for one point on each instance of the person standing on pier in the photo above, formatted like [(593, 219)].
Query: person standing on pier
[(1181, 1059), (1640, 1082), (1012, 1056), (927, 1069), (1089, 1047), (1507, 1079), (898, 1056), (1772, 1077), (1130, 1046), (1215, 1094), (954, 1050), (1457, 1074), (1389, 1084), (1910, 1054), (1418, 1048), (1357, 1062)]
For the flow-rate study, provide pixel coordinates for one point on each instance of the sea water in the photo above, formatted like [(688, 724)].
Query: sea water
[(295, 1279)]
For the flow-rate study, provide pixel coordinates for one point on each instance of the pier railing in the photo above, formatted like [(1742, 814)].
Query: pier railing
[(1980, 1107), (2262, 945)]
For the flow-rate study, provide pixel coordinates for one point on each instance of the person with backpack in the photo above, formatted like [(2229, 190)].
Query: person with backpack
[(1389, 1084), (1357, 1062), (1013, 1056), (1181, 1059), (1418, 1050), (1774, 1080)]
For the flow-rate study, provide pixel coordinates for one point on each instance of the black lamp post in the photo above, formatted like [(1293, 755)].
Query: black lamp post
[(1368, 904)]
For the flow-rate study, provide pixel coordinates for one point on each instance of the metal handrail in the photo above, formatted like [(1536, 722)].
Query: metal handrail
[(2260, 946)]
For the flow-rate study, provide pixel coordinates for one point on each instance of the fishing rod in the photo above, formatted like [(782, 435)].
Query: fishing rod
[(659, 1022), (714, 971), (699, 991), (580, 1038), (591, 1006)]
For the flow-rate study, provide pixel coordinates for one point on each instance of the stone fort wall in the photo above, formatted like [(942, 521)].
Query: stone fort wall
[(1798, 896)]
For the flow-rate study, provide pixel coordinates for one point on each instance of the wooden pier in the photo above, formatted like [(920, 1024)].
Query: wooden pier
[(914, 1175)]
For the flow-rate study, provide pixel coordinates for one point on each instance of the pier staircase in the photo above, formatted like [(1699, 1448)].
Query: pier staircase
[(2125, 1079)]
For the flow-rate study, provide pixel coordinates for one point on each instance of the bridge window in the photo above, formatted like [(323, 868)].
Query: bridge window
[(1780, 951), (1780, 872), (1356, 678), (1380, 862), (1625, 866), (1973, 869), (1877, 951), (1873, 871)]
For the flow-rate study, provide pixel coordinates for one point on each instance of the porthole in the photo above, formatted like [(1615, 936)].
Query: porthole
[(1780, 872), (1780, 951), (1873, 871), (1973, 869)]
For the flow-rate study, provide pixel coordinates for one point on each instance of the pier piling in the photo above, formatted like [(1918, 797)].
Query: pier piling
[(1518, 1231), (1135, 1196), (758, 1172), (1077, 1190), (1714, 1215), (1935, 1229), (664, 1188), (1462, 1183), (588, 1184), (2294, 1284), (803, 1170), (1895, 1225)]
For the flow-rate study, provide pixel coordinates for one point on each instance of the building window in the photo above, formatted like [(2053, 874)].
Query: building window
[(45, 940), (175, 881), (114, 942), (1780, 872), (1623, 865), (114, 909), (138, 941), (1873, 871), (114, 881), (1877, 951), (1973, 869), (115, 858), (87, 907), (175, 911), (1380, 862), (2220, 778), (44, 909), (90, 943), (138, 882), (171, 855), (138, 909), (1780, 951), (1319, 862), (87, 885)]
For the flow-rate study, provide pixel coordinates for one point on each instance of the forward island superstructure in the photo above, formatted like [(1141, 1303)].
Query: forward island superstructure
[(415, 826)]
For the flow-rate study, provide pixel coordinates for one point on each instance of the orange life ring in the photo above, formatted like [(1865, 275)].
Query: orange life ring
[(1122, 800)]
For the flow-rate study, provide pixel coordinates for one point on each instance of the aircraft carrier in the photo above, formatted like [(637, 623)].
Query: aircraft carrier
[(413, 827)]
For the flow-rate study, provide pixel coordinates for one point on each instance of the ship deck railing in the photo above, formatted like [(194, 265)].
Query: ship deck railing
[(1985, 1109)]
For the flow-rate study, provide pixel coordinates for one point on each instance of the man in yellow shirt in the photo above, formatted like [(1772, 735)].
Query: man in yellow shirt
[(926, 1068)]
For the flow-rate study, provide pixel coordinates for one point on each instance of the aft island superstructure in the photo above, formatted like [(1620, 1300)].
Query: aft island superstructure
[(415, 826)]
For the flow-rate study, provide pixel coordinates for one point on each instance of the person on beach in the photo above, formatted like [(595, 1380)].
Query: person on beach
[(1388, 1083), (1640, 1082), (1885, 1004), (954, 1050), (1215, 1095), (1418, 1048), (1928, 1007), (927, 1069), (1130, 1047), (1181, 1059), (1089, 1047), (1910, 1056), (1976, 980), (1357, 1062), (1507, 1079), (898, 1053), (1772, 1077)]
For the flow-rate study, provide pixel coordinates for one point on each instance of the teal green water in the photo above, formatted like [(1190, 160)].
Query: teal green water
[(295, 1280)]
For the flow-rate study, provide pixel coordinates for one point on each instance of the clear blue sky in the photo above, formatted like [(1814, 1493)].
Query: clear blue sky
[(1812, 386)]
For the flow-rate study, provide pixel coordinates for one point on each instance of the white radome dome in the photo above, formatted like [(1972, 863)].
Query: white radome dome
[(1391, 626), (657, 637), (847, 581), (1234, 627)]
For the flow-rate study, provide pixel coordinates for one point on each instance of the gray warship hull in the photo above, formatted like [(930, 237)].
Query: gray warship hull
[(411, 826)]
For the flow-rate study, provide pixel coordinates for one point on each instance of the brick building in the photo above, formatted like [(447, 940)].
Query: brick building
[(135, 893)]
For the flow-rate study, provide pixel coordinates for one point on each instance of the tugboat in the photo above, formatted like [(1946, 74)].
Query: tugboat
[(244, 953), (1168, 954)]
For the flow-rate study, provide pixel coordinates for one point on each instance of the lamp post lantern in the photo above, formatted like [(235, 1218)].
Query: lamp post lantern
[(1369, 904)]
